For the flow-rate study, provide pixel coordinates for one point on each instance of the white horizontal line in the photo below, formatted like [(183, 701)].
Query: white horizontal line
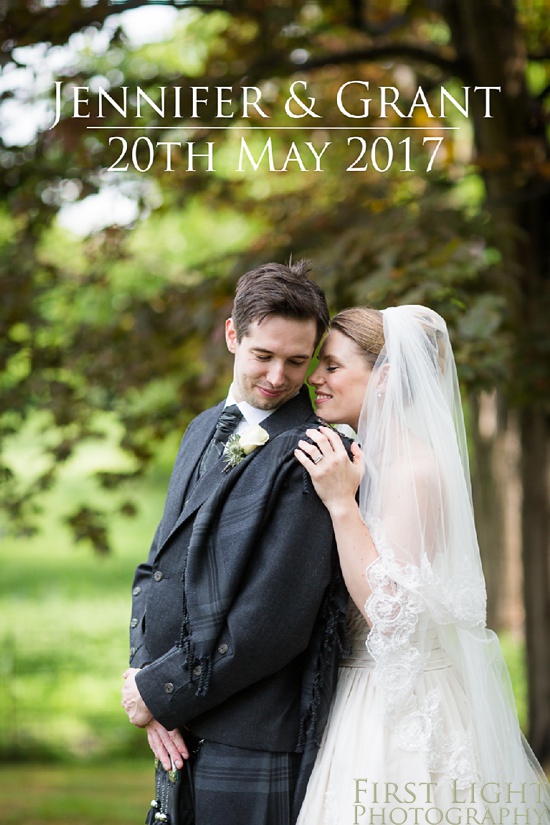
[(194, 128)]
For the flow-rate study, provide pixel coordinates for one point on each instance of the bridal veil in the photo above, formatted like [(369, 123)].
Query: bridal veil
[(427, 581)]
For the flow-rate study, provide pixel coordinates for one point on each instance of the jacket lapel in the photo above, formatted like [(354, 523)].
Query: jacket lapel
[(295, 412), (184, 469)]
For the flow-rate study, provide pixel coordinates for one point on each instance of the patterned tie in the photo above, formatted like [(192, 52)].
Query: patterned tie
[(227, 423)]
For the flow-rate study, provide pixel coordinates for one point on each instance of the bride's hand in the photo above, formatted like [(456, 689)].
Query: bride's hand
[(334, 476)]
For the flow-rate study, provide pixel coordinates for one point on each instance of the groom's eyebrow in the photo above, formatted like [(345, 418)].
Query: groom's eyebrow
[(288, 357)]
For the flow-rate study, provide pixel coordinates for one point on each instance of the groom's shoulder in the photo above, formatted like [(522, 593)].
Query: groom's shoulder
[(204, 418), (296, 430), (346, 438), (215, 410)]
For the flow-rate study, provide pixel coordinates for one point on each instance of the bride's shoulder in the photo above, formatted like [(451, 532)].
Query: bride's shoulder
[(418, 467)]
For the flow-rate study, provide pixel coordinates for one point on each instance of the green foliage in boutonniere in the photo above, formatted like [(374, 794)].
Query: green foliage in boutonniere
[(239, 446)]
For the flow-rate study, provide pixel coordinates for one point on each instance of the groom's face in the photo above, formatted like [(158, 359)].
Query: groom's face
[(271, 360)]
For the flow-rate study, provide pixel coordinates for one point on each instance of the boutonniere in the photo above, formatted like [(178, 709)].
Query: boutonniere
[(239, 446)]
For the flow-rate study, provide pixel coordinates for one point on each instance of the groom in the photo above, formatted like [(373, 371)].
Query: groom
[(238, 611)]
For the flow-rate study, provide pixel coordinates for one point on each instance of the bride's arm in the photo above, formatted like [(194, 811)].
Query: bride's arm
[(336, 480)]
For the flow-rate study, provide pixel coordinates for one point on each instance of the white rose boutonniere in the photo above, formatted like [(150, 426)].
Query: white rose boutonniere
[(239, 446)]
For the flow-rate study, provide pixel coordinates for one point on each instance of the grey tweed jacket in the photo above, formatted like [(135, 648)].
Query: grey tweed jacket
[(238, 614)]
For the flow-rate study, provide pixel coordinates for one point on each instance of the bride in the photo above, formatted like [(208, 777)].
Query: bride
[(423, 728)]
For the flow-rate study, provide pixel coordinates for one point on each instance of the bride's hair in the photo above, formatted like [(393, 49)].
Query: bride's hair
[(365, 327)]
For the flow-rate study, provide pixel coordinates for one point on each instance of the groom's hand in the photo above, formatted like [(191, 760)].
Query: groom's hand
[(138, 712), (166, 744)]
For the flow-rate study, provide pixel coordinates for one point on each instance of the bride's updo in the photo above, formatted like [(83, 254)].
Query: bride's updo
[(364, 326)]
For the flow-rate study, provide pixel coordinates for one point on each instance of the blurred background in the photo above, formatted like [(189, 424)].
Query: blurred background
[(115, 282)]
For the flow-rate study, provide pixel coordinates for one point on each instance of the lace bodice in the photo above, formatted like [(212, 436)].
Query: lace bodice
[(358, 630)]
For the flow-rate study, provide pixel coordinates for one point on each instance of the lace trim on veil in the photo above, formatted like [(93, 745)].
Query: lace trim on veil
[(400, 596)]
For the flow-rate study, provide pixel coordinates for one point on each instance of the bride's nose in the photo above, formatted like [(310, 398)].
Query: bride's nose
[(315, 379)]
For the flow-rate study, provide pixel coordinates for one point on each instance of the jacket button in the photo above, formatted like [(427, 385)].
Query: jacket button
[(134, 623), (223, 649), (132, 651), (197, 670), (158, 575), (169, 687), (136, 591)]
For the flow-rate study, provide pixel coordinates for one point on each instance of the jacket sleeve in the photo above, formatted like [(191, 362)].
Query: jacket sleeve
[(271, 619)]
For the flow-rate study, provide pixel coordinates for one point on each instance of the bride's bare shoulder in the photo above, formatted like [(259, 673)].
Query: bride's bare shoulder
[(418, 466)]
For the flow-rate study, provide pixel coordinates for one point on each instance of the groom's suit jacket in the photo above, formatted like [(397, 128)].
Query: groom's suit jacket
[(238, 612)]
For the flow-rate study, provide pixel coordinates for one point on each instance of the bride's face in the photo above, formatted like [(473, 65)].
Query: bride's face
[(340, 380)]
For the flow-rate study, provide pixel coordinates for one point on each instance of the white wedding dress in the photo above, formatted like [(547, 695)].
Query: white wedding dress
[(423, 728), (367, 772)]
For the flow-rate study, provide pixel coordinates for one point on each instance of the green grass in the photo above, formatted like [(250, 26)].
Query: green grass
[(514, 654), (117, 793)]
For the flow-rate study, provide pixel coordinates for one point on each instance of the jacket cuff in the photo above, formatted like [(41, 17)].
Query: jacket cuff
[(161, 683)]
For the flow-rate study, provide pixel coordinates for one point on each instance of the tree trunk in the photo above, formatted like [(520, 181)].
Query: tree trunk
[(536, 573), (488, 503), (496, 493), (511, 152)]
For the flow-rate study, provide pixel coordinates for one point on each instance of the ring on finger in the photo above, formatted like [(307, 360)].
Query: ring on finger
[(318, 459)]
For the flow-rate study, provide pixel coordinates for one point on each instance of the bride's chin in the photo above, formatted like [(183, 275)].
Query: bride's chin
[(326, 416), (333, 417)]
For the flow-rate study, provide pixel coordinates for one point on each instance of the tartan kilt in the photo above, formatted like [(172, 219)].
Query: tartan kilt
[(238, 786)]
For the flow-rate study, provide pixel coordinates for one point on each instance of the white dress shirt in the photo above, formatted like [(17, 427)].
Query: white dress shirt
[(251, 415)]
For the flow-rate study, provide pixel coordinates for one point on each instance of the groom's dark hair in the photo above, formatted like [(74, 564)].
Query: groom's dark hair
[(279, 289)]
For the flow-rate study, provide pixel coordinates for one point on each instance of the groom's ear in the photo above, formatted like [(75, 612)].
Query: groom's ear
[(231, 336)]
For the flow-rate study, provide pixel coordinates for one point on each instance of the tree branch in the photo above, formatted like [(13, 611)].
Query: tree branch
[(207, 5), (391, 50)]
